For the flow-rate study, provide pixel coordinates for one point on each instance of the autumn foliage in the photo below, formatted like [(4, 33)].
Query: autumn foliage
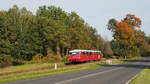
[(127, 34)]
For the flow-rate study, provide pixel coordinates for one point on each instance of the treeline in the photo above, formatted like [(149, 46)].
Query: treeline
[(129, 40), (50, 33), (45, 36)]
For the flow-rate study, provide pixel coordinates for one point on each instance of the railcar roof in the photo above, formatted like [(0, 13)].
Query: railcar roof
[(84, 51)]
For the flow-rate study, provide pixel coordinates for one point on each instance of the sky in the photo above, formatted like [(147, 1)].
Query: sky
[(95, 12)]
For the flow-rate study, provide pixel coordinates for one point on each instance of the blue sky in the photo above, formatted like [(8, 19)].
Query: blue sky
[(94, 12)]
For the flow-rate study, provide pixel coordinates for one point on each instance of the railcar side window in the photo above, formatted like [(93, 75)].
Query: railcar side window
[(88, 53), (98, 53), (83, 53)]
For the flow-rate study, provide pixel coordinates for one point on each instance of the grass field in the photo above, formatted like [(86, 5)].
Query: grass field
[(142, 78), (30, 71)]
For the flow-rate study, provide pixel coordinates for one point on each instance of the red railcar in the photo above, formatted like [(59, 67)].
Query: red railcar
[(84, 55)]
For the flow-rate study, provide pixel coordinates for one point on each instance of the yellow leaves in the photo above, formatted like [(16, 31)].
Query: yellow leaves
[(3, 13)]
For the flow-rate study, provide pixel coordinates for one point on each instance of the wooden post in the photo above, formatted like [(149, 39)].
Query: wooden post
[(109, 62), (55, 66)]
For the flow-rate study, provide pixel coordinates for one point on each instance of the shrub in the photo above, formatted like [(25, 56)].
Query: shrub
[(37, 58), (5, 59)]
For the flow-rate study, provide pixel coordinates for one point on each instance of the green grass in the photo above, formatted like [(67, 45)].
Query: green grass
[(142, 78), (46, 72)]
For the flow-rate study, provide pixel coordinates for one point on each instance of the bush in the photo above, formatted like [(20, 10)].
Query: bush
[(37, 58), (5, 59)]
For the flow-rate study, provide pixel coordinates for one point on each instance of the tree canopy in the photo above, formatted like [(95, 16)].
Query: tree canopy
[(47, 35), (128, 38)]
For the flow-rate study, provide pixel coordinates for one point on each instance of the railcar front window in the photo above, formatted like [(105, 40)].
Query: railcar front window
[(74, 54)]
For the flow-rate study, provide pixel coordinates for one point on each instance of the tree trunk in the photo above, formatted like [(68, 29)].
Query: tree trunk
[(57, 49)]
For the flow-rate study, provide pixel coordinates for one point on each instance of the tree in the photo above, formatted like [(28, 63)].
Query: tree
[(20, 23), (127, 36), (5, 46), (112, 25), (107, 49)]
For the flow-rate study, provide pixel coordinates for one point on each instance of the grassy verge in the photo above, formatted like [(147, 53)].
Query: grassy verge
[(142, 78), (43, 72), (28, 67)]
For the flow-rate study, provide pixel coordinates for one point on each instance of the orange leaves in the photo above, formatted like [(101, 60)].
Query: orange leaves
[(126, 32), (138, 32), (129, 38), (132, 20), (123, 31)]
